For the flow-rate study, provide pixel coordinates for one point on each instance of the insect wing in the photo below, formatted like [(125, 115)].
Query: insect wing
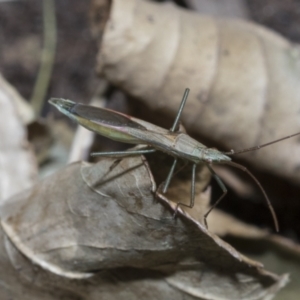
[(120, 127), (105, 117), (107, 122)]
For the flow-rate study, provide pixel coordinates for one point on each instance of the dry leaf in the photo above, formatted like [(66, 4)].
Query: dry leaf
[(243, 77), (17, 162), (93, 219), (277, 253), (24, 110)]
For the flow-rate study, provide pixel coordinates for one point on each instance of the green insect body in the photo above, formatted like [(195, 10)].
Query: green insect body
[(174, 142)]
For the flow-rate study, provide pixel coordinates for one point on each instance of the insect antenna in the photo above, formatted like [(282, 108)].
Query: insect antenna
[(241, 167), (232, 152)]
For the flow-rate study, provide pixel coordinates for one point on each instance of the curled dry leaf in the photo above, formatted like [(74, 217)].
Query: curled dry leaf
[(243, 78), (104, 218), (24, 111), (17, 162)]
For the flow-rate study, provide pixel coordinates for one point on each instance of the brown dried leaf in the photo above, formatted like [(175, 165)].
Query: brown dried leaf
[(17, 163), (105, 216), (112, 284), (277, 253), (238, 73), (222, 224)]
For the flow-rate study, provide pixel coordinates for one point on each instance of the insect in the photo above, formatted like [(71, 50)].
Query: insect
[(174, 142)]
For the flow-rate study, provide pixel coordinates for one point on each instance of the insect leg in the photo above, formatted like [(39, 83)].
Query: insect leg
[(117, 154), (192, 200), (167, 182), (185, 95), (160, 188), (222, 186), (122, 154)]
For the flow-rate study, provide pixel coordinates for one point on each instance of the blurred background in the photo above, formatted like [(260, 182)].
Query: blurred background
[(49, 49)]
